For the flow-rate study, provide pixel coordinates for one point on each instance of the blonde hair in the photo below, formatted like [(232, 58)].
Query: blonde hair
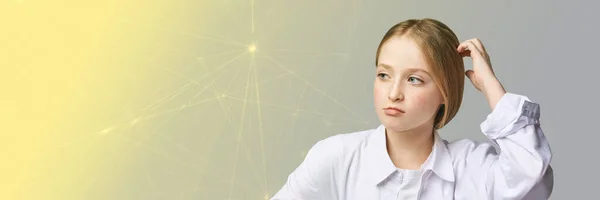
[(438, 44)]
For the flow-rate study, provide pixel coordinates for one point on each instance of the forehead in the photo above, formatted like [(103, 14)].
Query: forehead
[(402, 52)]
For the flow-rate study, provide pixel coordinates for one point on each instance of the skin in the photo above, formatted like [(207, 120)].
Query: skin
[(403, 81)]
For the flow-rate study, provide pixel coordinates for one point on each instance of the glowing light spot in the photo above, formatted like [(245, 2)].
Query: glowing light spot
[(252, 48)]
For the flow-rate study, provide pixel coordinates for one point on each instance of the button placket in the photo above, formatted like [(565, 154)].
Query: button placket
[(400, 178)]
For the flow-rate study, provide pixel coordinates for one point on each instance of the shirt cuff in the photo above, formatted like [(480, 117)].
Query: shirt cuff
[(512, 113)]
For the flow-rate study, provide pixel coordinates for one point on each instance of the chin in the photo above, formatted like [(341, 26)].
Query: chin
[(395, 125)]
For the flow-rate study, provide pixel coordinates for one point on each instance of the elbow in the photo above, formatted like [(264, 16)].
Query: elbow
[(537, 168)]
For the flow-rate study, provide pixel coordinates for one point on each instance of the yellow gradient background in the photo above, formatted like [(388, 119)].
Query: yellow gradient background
[(161, 99)]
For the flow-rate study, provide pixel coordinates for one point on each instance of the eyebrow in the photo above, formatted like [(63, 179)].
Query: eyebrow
[(388, 67)]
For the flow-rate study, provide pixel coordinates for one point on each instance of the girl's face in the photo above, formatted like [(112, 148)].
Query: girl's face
[(406, 96)]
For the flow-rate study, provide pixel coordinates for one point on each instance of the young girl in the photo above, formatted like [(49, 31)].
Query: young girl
[(418, 89)]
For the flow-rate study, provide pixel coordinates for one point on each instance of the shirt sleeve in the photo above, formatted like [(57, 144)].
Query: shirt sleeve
[(517, 164), (314, 177)]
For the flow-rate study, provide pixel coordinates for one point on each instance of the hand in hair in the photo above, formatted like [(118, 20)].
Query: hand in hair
[(482, 75)]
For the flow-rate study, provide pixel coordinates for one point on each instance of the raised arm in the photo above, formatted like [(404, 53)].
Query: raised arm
[(517, 166)]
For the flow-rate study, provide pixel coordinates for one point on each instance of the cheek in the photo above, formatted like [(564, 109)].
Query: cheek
[(420, 101), (379, 94), (426, 101)]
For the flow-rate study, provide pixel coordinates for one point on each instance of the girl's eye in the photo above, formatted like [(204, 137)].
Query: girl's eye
[(382, 75), (414, 80)]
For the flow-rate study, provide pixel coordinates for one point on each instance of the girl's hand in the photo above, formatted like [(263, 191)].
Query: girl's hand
[(482, 75)]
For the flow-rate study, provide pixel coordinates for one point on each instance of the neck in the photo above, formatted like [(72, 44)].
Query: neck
[(410, 149)]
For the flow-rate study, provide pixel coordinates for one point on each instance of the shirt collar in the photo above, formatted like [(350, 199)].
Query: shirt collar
[(380, 165)]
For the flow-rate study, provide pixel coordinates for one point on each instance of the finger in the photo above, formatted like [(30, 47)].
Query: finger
[(462, 47), (463, 50), (473, 50), (465, 53), (470, 74), (466, 46), (481, 48), (478, 44)]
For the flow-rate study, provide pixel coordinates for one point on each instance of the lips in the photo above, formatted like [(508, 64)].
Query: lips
[(393, 111)]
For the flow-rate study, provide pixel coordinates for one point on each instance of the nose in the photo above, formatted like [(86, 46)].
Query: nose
[(396, 93)]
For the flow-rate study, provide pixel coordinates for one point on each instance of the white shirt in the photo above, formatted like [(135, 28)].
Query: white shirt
[(514, 165), (402, 184)]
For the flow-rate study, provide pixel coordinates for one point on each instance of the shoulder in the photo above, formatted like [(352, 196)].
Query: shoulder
[(465, 152), (464, 144), (335, 147)]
